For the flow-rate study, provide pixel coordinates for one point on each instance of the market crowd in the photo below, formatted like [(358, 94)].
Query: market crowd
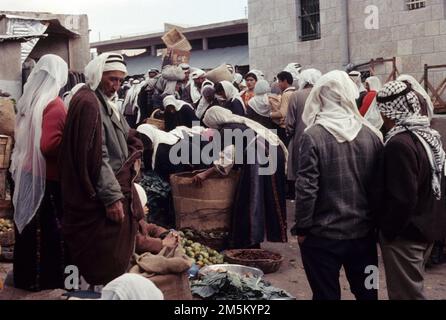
[(359, 159)]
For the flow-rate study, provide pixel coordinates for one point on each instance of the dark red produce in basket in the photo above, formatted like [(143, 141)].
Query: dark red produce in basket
[(267, 261)]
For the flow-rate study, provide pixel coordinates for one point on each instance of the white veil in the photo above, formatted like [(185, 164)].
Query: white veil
[(28, 167)]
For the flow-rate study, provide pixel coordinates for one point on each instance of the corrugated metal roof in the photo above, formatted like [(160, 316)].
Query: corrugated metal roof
[(21, 38), (209, 59)]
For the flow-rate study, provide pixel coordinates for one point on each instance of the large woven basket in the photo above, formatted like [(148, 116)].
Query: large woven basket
[(202, 208), (176, 40), (267, 265), (159, 123)]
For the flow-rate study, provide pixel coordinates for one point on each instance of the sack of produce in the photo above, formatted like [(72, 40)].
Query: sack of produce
[(219, 74), (7, 117), (173, 73)]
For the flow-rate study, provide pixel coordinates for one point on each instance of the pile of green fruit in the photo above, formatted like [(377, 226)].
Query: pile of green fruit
[(200, 254), (6, 225)]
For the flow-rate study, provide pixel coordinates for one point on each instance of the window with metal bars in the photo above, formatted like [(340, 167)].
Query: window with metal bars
[(310, 20), (415, 4)]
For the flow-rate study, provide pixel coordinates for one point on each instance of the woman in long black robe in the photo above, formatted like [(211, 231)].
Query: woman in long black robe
[(259, 210)]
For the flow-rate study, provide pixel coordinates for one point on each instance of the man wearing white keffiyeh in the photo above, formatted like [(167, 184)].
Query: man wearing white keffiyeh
[(413, 214)]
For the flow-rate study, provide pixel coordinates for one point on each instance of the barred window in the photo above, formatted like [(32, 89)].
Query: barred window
[(310, 20), (415, 4)]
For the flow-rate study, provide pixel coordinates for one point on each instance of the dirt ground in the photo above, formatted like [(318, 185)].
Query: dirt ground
[(291, 276)]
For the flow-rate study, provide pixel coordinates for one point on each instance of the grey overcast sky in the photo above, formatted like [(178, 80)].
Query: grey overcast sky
[(109, 18)]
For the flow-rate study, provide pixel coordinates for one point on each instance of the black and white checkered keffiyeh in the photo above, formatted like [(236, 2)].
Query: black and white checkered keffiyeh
[(398, 102)]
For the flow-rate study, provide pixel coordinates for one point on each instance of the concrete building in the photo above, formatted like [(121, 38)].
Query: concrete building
[(330, 34), (27, 36), (212, 45)]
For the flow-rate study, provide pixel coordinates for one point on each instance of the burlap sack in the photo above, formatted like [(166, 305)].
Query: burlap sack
[(7, 117), (173, 73), (166, 262), (220, 74)]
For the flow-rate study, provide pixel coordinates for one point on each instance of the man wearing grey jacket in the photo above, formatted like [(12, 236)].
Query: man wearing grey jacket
[(335, 183), (99, 163)]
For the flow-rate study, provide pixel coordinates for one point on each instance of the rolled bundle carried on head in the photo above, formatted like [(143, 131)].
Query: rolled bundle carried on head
[(220, 74)]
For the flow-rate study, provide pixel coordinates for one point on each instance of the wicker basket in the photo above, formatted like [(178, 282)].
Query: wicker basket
[(160, 124), (202, 208), (176, 40), (7, 238), (269, 265)]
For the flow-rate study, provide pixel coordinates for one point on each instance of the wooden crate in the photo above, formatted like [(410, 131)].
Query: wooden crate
[(5, 151), (207, 208)]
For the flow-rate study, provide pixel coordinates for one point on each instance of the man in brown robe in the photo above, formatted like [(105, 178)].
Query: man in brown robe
[(99, 158)]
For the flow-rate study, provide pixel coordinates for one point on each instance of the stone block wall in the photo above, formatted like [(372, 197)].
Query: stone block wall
[(415, 37)]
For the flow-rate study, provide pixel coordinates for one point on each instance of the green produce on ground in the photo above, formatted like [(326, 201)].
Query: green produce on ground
[(201, 254), (233, 286)]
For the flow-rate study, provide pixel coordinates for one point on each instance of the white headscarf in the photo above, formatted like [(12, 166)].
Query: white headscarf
[(183, 132), (260, 102), (238, 78), (356, 78), (204, 103), (103, 63), (184, 66), (217, 116), (141, 194), (295, 69), (418, 88), (178, 104), (28, 167), (131, 99), (198, 73), (374, 83), (308, 77), (131, 287), (231, 92), (259, 74), (194, 92), (332, 104), (157, 137)]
